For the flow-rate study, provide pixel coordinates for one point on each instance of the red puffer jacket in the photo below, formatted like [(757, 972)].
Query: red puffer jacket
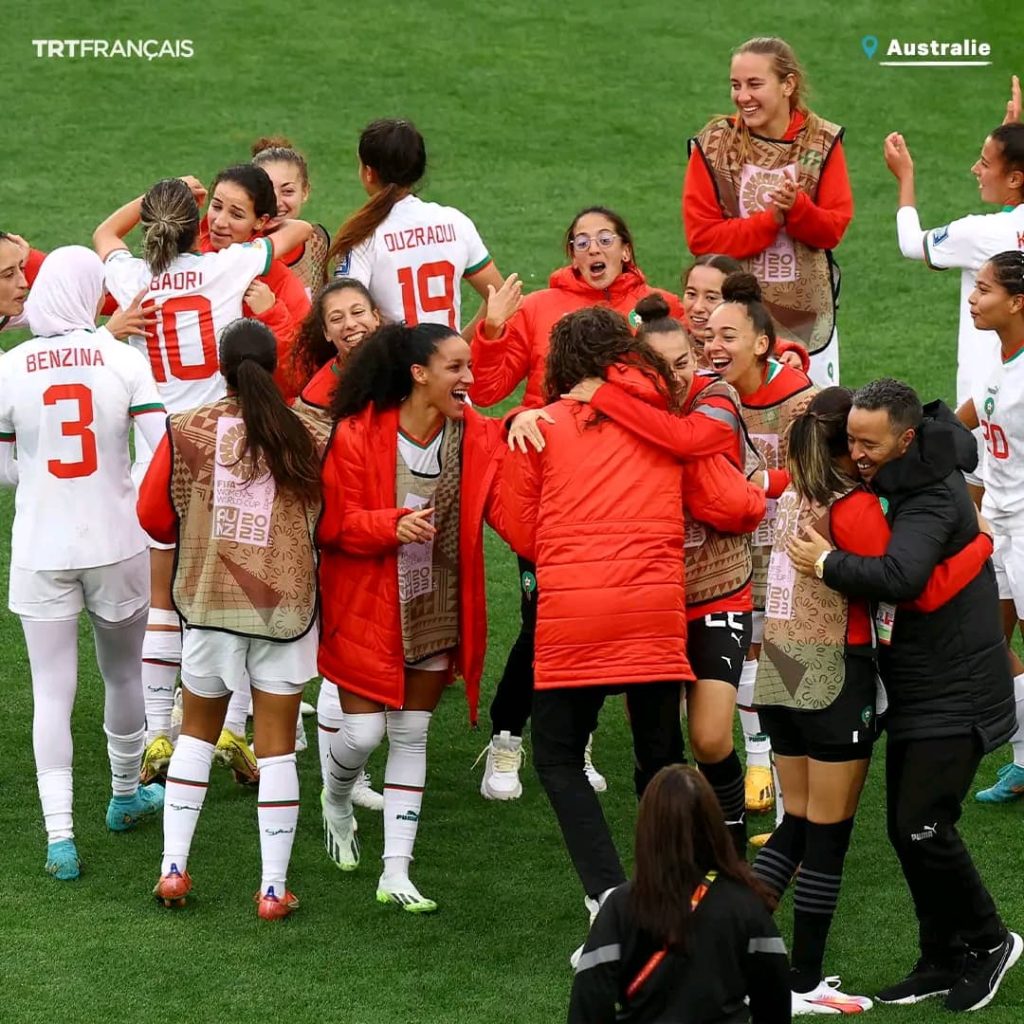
[(361, 632), (521, 350), (601, 514)]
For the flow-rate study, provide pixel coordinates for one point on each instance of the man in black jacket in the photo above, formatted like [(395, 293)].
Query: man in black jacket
[(947, 677)]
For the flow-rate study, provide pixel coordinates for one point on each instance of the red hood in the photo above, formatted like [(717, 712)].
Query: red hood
[(629, 281), (636, 382)]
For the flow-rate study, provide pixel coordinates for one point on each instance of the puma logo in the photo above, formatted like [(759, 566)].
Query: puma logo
[(927, 832)]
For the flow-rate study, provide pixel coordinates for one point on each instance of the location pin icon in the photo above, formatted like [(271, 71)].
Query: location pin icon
[(870, 45)]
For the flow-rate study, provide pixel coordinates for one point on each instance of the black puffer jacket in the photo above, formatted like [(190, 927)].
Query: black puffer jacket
[(946, 672)]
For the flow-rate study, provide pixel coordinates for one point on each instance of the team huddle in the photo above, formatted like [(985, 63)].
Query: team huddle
[(269, 465)]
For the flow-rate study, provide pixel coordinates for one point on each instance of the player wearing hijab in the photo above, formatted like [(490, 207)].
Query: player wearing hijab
[(966, 243), (67, 398), (412, 255), (196, 295), (769, 187)]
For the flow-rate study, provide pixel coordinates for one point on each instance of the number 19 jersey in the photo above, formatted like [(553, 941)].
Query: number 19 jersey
[(999, 403), (66, 401), (196, 297), (414, 263)]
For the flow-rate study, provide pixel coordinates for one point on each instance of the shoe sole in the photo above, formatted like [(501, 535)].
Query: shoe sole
[(391, 900), (1016, 948), (911, 1000), (171, 902)]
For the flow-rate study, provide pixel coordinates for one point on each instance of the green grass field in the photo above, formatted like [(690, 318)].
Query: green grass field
[(531, 110)]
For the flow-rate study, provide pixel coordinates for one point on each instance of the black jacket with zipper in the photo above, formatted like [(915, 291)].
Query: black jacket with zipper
[(946, 672)]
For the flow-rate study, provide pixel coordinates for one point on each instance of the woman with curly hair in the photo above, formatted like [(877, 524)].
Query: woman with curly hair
[(611, 611)]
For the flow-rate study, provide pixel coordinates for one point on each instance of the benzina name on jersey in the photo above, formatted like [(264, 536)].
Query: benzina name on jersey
[(409, 238), (53, 358), (150, 49), (935, 48)]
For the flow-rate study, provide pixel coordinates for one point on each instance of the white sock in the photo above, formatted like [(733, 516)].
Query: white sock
[(780, 809), (358, 737), (404, 778), (278, 815), (56, 791), (188, 776), (125, 754), (1017, 739), (328, 721), (758, 746), (238, 707), (53, 660)]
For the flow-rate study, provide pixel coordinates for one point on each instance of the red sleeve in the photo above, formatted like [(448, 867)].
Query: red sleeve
[(520, 498), (822, 223), (860, 527), (715, 492), (778, 481), (686, 437), (948, 578), (156, 513), (284, 318), (784, 345), (493, 434), (499, 364), (346, 523), (708, 229), (32, 265)]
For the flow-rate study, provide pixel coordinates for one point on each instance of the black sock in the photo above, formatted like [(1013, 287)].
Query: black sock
[(726, 778), (778, 859), (816, 897)]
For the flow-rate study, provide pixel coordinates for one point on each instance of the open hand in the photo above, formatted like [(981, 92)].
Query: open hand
[(804, 550), (136, 319), (1013, 104), (524, 430), (502, 303)]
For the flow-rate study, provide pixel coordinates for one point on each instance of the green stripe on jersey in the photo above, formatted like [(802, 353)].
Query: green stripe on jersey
[(477, 267), (7, 437), (137, 410)]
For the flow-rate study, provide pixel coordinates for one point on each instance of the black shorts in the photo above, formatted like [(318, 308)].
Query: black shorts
[(717, 644), (844, 731)]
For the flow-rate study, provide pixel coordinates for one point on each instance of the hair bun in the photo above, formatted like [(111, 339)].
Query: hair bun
[(741, 287), (271, 142), (652, 307)]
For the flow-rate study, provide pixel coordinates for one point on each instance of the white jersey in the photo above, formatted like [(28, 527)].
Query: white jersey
[(196, 297), (999, 403), (67, 402), (967, 243), (414, 263)]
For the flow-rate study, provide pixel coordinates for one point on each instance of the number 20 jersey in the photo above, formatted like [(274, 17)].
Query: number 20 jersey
[(196, 297), (999, 403), (66, 401)]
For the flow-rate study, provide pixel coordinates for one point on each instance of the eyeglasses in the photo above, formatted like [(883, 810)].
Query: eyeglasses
[(604, 239)]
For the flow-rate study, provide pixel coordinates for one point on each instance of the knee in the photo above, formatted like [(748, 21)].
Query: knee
[(363, 733), (708, 745), (408, 728)]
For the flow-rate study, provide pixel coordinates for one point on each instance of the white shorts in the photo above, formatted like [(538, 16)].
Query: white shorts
[(112, 592), (824, 369), (1008, 562), (757, 623), (436, 663), (138, 473), (213, 663)]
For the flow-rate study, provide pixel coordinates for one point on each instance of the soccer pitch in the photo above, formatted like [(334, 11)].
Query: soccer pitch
[(531, 111)]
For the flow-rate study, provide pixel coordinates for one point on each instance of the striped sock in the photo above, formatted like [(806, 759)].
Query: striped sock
[(328, 722), (778, 859), (278, 815), (404, 777), (815, 899), (358, 737), (726, 778), (188, 776)]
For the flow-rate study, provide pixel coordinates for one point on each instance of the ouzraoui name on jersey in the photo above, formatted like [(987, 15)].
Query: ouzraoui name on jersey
[(54, 358), (409, 238), (177, 281)]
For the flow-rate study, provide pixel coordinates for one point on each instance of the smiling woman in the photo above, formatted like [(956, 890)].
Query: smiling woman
[(13, 283), (768, 186)]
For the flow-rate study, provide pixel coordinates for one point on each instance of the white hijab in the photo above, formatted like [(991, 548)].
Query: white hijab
[(66, 293)]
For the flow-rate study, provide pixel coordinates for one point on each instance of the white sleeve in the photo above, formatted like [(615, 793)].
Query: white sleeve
[(145, 406), (358, 263), (909, 234), (8, 463), (249, 259), (477, 256), (965, 243), (122, 276)]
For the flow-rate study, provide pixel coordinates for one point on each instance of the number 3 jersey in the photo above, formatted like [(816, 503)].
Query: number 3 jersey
[(414, 263), (66, 402), (196, 297), (999, 403)]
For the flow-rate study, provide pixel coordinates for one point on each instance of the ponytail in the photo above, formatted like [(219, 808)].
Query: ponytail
[(817, 438), (170, 223), (275, 439), (364, 222)]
